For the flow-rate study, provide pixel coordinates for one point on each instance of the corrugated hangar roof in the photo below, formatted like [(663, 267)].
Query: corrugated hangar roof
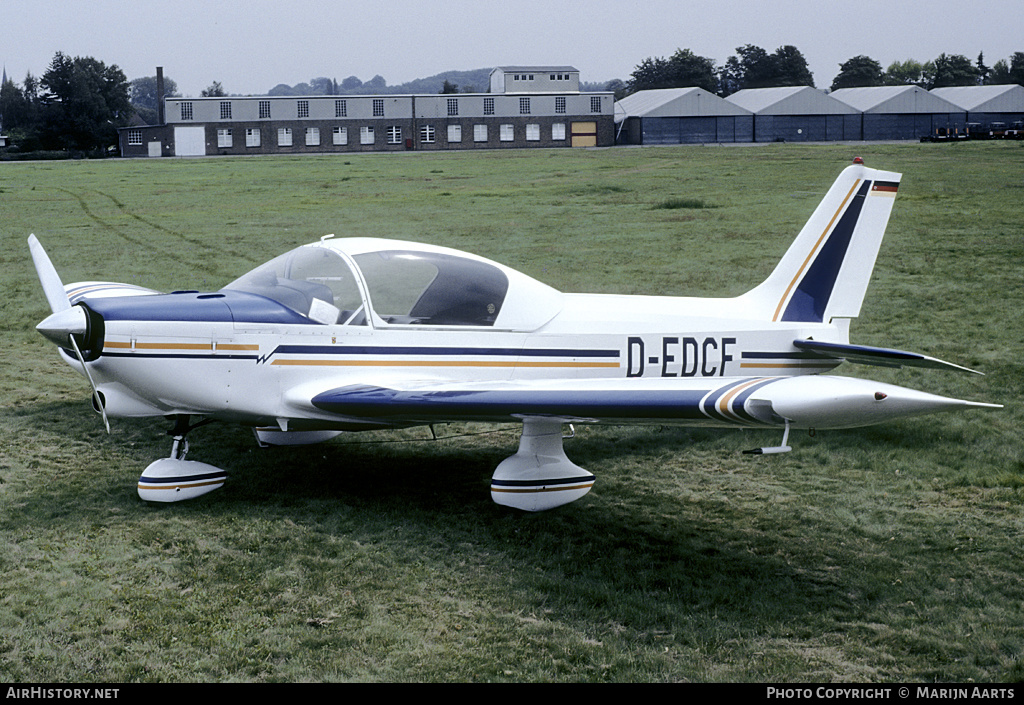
[(984, 99), (675, 102), (790, 100), (894, 99)]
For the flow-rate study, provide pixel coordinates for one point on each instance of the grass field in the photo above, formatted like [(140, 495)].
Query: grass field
[(888, 553)]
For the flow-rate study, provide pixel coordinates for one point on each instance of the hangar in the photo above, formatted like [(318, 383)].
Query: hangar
[(798, 114), (680, 116), (987, 104), (901, 112)]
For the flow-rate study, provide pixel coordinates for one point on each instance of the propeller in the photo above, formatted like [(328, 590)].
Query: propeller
[(66, 321)]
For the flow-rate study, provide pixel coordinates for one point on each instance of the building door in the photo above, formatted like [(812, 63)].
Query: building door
[(584, 134), (189, 141)]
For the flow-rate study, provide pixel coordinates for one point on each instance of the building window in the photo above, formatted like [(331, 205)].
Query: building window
[(303, 109), (479, 133), (252, 137), (378, 107), (455, 133), (312, 136), (524, 106), (506, 133), (427, 134), (453, 106), (340, 108), (264, 109), (560, 105), (532, 133), (224, 137), (186, 111), (595, 104), (488, 106), (394, 134), (225, 110), (366, 135), (284, 137), (340, 135), (134, 136), (558, 131)]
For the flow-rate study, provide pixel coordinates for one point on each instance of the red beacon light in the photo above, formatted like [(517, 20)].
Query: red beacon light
[(858, 160)]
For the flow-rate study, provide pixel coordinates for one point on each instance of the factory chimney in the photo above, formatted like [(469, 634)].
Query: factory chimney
[(160, 95)]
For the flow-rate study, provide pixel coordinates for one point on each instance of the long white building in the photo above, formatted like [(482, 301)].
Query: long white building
[(525, 108)]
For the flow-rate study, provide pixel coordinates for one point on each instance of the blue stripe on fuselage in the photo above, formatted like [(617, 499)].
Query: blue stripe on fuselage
[(424, 350)]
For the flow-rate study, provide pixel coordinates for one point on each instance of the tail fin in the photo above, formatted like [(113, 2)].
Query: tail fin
[(825, 272)]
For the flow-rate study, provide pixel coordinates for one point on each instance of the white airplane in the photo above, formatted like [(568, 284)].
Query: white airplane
[(362, 333)]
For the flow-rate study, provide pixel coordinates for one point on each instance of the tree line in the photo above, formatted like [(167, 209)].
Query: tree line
[(753, 67)]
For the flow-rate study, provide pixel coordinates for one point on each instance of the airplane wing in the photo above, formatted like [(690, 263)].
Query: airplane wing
[(881, 357), (808, 401)]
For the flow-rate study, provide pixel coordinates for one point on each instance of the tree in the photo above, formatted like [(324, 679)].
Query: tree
[(649, 74), (1004, 73), (84, 104), (323, 86), (953, 70), (214, 90), (859, 72), (449, 87), (19, 112), (376, 83), (14, 107), (351, 83), (618, 87), (756, 68), (144, 98), (684, 69), (730, 77), (907, 73), (982, 69), (791, 67)]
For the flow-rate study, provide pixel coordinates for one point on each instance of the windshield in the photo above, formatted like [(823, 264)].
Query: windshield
[(313, 281), (429, 288)]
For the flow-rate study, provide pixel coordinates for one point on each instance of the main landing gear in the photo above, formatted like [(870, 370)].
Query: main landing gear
[(539, 476), (175, 479)]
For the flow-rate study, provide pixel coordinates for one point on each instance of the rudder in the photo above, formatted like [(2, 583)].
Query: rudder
[(825, 272)]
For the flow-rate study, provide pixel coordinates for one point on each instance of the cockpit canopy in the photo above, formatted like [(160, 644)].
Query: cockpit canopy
[(338, 282)]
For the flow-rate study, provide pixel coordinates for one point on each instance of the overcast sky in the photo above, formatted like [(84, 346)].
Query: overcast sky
[(252, 45)]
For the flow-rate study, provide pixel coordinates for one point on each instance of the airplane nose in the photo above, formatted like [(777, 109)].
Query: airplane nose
[(59, 326)]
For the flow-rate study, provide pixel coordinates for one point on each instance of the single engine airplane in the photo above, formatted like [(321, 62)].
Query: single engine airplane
[(351, 334)]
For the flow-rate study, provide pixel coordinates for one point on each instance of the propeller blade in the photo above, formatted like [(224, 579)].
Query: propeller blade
[(53, 287), (95, 392)]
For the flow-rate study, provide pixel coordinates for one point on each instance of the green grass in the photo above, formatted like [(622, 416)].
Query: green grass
[(888, 553)]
